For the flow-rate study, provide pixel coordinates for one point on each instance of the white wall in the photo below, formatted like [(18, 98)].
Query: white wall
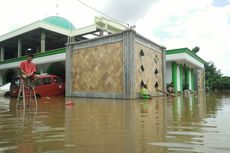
[(168, 72)]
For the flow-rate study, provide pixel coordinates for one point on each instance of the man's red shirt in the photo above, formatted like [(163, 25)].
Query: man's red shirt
[(28, 67)]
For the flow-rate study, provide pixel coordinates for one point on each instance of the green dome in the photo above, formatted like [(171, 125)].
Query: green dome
[(59, 22)]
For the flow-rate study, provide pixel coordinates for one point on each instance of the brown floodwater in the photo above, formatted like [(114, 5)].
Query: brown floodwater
[(193, 124)]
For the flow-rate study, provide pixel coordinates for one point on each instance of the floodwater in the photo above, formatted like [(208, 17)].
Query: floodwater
[(193, 124)]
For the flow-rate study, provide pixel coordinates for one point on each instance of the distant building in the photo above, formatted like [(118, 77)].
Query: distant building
[(185, 69), (47, 39)]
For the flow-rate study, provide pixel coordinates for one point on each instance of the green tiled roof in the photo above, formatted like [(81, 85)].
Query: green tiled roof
[(185, 50), (59, 22)]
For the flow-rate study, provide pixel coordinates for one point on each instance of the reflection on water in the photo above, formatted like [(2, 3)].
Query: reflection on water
[(28, 130), (161, 125), (114, 126)]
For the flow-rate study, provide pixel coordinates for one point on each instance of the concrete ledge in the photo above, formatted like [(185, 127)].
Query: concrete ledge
[(148, 43), (98, 41)]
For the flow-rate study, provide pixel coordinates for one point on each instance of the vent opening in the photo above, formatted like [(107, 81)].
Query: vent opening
[(142, 68), (156, 85)]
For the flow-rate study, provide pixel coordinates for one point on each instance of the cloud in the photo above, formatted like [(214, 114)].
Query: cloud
[(221, 3), (128, 10), (24, 12), (197, 23), (173, 24)]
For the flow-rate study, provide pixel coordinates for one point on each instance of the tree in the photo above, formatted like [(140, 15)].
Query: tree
[(196, 49), (214, 79), (226, 82)]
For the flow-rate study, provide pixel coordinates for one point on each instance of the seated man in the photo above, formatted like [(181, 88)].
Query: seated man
[(187, 93), (170, 88), (144, 92), (28, 69)]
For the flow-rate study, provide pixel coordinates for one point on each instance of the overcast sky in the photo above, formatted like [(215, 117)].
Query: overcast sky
[(171, 23)]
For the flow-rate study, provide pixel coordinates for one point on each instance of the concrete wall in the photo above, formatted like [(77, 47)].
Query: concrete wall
[(98, 69), (152, 62), (107, 67)]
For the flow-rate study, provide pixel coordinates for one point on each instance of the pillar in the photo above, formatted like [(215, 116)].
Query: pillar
[(187, 82), (192, 81), (189, 79), (181, 77), (204, 80), (174, 75), (178, 77), (43, 42), (2, 53), (19, 47), (68, 74), (164, 68), (129, 65)]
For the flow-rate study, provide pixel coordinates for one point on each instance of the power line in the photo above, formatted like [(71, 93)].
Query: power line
[(102, 13)]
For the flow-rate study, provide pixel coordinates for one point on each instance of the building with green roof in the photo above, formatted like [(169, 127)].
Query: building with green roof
[(185, 69), (47, 39)]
